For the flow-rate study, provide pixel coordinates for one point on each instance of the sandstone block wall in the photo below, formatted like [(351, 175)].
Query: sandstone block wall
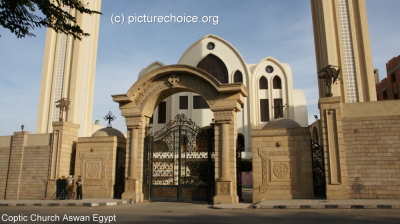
[(24, 165), (35, 168), (5, 150), (372, 145)]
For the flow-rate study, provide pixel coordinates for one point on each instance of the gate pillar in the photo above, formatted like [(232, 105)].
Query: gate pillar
[(133, 184), (225, 145), (332, 133)]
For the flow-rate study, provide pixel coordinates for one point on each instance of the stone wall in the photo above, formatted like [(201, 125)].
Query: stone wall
[(372, 146), (24, 165), (35, 168), (282, 165), (5, 150)]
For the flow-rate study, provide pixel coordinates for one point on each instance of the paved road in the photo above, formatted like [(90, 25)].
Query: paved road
[(196, 213)]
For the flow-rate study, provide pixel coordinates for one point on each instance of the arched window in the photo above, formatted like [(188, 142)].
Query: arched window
[(237, 77), (263, 83), (213, 65), (276, 82)]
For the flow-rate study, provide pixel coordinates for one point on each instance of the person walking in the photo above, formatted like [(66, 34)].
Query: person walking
[(79, 183)]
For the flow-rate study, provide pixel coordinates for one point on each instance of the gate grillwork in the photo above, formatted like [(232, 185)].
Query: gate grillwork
[(318, 170), (179, 162)]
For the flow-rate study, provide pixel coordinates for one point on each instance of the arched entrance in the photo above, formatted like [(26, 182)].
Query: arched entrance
[(138, 104)]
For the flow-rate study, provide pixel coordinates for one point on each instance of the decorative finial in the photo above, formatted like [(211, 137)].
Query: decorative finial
[(22, 127), (110, 117), (330, 74), (63, 104)]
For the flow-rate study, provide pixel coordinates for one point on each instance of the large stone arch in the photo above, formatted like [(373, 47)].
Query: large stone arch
[(138, 104)]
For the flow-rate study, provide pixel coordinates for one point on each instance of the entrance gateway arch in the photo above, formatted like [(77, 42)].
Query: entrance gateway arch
[(138, 104)]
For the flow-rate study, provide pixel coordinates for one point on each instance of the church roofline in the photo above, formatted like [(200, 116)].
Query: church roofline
[(212, 36)]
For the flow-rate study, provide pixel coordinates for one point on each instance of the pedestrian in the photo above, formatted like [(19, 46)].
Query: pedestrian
[(79, 183), (61, 188)]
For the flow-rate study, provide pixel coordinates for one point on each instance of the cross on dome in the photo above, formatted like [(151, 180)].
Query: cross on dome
[(110, 117)]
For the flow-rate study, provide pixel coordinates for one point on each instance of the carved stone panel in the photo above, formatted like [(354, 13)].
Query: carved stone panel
[(130, 185), (223, 188), (280, 170), (93, 168)]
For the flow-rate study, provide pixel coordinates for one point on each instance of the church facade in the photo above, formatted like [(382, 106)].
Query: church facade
[(269, 82)]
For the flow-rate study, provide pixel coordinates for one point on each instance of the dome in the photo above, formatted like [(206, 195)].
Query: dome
[(106, 132), (282, 123)]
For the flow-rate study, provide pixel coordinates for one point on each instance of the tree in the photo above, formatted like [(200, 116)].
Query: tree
[(21, 16)]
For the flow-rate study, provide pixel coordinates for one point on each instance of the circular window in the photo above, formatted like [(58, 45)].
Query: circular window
[(210, 46), (269, 69)]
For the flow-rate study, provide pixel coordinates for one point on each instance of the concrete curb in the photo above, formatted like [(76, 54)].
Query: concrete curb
[(57, 204), (314, 204), (228, 206), (326, 207), (329, 204)]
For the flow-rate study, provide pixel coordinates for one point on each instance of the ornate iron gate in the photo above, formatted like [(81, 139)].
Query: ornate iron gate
[(318, 170), (179, 162)]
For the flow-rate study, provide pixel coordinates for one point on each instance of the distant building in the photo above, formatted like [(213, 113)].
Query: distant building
[(389, 87)]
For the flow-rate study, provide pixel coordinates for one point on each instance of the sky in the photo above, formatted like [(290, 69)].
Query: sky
[(281, 29)]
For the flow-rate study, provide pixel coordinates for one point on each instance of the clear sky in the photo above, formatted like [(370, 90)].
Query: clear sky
[(256, 28)]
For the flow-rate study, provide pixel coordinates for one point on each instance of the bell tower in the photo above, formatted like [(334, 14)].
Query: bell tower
[(69, 68), (342, 40)]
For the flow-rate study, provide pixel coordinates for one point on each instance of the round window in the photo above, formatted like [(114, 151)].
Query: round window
[(210, 46), (269, 69)]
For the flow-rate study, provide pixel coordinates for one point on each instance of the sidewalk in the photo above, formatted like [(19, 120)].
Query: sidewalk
[(84, 202), (316, 204)]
